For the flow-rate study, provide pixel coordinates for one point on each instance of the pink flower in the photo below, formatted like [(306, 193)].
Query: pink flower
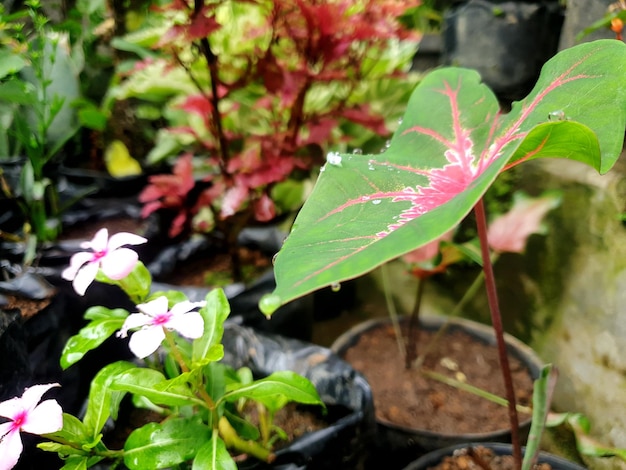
[(28, 415), (116, 262), (509, 232), (154, 316)]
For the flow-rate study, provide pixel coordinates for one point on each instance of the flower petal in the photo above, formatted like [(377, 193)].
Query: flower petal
[(146, 341), (11, 407), (134, 320), (76, 262), (189, 325), (85, 277), (99, 241), (125, 238), (119, 263), (32, 395), (185, 306), (155, 307), (47, 417), (10, 450)]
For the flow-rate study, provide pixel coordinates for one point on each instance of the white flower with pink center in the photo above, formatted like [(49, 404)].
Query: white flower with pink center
[(152, 320), (26, 414), (106, 254)]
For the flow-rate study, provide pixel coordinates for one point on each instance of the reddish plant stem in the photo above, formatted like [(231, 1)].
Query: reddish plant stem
[(496, 321), (211, 59)]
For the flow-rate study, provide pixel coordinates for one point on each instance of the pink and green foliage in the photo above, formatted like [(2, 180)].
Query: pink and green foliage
[(264, 89), (453, 142)]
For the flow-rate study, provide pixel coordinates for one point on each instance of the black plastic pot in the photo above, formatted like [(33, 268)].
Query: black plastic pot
[(345, 442), (433, 458), (506, 42), (402, 444), (294, 320)]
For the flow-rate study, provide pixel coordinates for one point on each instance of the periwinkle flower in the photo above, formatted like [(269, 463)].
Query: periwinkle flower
[(26, 414), (154, 317), (106, 254)]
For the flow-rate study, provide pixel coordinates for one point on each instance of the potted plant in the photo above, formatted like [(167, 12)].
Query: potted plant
[(453, 142), (244, 123), (247, 120), (417, 409), (198, 403)]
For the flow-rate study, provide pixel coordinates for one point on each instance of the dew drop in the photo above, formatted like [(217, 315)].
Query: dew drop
[(370, 167), (399, 121), (269, 303), (323, 169), (357, 152), (335, 287), (376, 202), (333, 158), (387, 144)]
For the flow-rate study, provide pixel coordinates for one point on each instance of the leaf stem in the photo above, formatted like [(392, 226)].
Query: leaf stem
[(496, 321), (233, 440)]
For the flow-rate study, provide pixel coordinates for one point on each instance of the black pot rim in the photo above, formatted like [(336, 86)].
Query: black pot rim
[(434, 457), (517, 348)]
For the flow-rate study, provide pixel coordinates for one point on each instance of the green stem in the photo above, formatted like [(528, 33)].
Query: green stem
[(391, 308), (469, 295), (414, 323), (234, 441), (169, 337), (475, 390), (496, 320)]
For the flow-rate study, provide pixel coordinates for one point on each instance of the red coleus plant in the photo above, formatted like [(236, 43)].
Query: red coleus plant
[(269, 100)]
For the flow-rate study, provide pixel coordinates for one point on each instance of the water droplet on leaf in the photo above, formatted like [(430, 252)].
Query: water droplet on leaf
[(333, 158), (269, 303), (335, 287), (376, 202), (357, 152)]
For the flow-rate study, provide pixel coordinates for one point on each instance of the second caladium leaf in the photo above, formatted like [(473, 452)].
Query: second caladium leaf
[(453, 142)]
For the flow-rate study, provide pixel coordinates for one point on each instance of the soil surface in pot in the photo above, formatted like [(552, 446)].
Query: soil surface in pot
[(480, 458), (408, 398)]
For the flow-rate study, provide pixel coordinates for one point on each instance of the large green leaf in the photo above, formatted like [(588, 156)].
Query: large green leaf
[(103, 402), (453, 141), (208, 347), (166, 444), (276, 390), (214, 456), (152, 384), (104, 322)]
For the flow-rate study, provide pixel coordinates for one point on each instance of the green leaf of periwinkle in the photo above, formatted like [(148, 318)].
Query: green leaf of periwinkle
[(136, 285), (452, 143), (276, 390), (162, 445), (104, 402), (214, 456), (208, 347), (104, 322), (73, 431), (153, 385)]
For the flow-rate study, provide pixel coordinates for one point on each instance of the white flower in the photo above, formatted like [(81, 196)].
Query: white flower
[(116, 262), (26, 414), (154, 316)]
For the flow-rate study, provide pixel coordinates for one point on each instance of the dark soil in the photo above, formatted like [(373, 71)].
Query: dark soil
[(87, 230), (27, 307), (480, 458), (408, 398)]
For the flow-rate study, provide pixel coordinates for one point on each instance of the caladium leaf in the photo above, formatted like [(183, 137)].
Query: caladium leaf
[(452, 143)]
